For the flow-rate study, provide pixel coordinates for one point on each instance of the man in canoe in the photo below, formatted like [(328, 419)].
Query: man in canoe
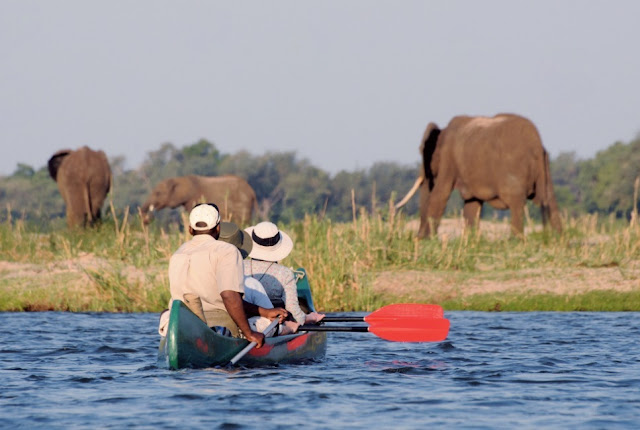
[(207, 274)]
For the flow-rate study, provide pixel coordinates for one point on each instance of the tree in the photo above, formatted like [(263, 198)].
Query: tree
[(607, 180)]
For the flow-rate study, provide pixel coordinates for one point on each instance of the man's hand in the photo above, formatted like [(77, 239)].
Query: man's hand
[(256, 337), (275, 313), (235, 307)]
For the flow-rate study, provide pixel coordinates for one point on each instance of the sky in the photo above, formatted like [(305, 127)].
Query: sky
[(344, 84)]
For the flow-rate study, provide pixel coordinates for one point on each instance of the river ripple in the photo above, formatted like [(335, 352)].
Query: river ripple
[(495, 370)]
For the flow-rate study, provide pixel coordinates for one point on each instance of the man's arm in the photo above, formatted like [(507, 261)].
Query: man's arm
[(254, 310), (234, 304)]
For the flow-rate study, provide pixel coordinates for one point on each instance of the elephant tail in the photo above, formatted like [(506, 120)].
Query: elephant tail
[(86, 197), (548, 203)]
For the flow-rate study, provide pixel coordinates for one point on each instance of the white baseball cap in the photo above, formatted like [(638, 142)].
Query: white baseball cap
[(204, 216)]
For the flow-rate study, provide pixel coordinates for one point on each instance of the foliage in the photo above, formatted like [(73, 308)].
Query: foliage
[(608, 180), (288, 188)]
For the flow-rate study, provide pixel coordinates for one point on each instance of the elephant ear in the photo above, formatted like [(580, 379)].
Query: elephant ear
[(429, 154), (172, 184), (55, 161)]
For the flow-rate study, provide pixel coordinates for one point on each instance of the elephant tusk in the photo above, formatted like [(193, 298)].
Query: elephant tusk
[(411, 192), (151, 208)]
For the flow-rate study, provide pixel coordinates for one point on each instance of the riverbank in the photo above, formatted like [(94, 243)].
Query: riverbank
[(76, 285), (592, 266)]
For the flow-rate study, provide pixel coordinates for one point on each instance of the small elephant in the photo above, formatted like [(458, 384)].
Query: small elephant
[(84, 180), (235, 198), (499, 160)]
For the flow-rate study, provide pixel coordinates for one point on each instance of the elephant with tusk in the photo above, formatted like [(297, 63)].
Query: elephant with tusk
[(233, 195), (84, 179), (498, 160)]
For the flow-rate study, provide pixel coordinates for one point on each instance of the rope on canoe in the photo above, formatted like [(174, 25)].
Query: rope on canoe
[(299, 274)]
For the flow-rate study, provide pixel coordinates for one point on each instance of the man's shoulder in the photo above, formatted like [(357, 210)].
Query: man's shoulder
[(225, 247), (205, 243), (222, 250)]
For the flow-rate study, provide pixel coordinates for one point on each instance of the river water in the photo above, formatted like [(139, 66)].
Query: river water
[(495, 370)]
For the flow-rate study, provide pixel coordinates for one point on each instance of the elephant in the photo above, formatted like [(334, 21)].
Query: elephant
[(84, 180), (235, 198), (499, 160)]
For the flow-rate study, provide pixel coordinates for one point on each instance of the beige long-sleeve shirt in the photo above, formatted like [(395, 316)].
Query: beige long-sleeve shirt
[(205, 266)]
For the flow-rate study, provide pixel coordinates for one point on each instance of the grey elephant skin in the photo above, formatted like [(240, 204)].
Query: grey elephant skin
[(84, 180), (233, 195), (498, 160)]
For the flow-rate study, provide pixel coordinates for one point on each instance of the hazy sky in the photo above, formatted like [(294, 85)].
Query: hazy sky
[(343, 83)]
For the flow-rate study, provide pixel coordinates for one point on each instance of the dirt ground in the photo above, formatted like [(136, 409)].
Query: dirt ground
[(418, 284)]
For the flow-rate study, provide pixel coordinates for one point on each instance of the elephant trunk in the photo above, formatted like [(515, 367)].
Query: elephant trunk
[(411, 192), (145, 212)]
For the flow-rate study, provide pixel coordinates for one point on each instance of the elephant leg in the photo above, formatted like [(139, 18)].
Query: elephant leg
[(516, 207), (426, 226), (550, 216), (544, 211), (425, 193), (556, 223), (75, 217), (471, 211), (435, 209)]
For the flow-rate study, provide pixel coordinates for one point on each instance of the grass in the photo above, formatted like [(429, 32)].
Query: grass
[(121, 265)]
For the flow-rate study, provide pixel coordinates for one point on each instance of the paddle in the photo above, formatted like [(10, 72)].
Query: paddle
[(398, 323), (251, 345)]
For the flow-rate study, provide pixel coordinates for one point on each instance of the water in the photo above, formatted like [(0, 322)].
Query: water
[(495, 370)]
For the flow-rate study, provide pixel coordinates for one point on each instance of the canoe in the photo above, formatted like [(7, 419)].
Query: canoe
[(190, 343)]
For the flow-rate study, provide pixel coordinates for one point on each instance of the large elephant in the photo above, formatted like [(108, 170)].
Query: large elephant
[(84, 179), (499, 160), (233, 195)]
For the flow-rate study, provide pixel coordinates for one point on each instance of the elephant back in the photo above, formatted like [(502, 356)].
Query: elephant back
[(55, 161)]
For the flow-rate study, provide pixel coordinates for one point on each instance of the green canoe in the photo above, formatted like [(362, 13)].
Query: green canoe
[(190, 343)]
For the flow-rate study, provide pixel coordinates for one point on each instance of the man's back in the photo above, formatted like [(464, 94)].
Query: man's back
[(205, 267)]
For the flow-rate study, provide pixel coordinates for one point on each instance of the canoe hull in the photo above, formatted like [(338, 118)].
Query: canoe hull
[(190, 343)]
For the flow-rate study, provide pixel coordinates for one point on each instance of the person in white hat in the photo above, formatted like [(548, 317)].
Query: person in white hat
[(253, 290), (271, 245), (210, 271)]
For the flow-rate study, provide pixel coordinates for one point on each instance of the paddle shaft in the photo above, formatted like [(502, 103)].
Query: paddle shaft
[(325, 328), (343, 319), (252, 345)]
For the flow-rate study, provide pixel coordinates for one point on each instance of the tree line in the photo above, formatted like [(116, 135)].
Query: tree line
[(289, 187)]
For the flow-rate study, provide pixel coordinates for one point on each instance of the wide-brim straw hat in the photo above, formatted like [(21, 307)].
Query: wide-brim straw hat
[(269, 243), (231, 233)]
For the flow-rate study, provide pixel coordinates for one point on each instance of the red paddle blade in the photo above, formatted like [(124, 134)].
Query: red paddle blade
[(405, 311), (412, 329)]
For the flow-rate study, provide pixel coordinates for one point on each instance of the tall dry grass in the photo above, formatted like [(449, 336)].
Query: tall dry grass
[(121, 265)]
